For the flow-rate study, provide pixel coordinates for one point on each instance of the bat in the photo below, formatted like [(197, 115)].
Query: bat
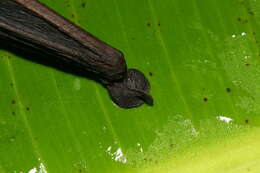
[(34, 27)]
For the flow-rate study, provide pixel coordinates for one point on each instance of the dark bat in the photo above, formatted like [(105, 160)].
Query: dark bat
[(35, 27)]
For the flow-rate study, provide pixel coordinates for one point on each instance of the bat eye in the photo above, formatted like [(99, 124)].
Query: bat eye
[(132, 91)]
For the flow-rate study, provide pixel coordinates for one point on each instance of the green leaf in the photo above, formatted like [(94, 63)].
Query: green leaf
[(202, 59)]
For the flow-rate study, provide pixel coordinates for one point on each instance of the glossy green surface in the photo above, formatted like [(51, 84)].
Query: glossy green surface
[(202, 59)]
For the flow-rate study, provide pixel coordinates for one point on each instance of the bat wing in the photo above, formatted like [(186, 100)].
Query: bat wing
[(23, 25)]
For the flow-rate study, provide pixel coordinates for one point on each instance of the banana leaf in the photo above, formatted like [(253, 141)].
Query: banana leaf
[(203, 61)]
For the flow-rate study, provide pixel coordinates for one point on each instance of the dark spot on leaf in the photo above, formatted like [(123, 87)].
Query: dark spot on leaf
[(150, 73), (27, 108), (83, 5), (247, 64), (205, 99), (242, 21), (254, 33), (13, 101), (67, 3), (171, 145), (246, 121), (11, 84), (250, 12), (159, 24), (228, 90), (133, 38), (13, 113), (148, 24), (80, 170), (73, 16)]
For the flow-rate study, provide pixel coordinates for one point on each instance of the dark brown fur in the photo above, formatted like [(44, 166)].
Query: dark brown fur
[(36, 27)]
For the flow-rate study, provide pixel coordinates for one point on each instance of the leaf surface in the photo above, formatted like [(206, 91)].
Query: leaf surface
[(202, 59)]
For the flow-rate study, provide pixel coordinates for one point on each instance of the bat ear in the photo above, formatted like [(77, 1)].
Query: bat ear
[(129, 98), (148, 99), (131, 91)]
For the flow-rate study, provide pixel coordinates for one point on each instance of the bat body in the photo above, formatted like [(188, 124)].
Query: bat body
[(36, 27)]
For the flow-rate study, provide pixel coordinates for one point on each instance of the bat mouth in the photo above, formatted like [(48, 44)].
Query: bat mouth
[(132, 91)]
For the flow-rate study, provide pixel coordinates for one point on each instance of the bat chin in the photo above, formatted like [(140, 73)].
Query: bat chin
[(132, 91)]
